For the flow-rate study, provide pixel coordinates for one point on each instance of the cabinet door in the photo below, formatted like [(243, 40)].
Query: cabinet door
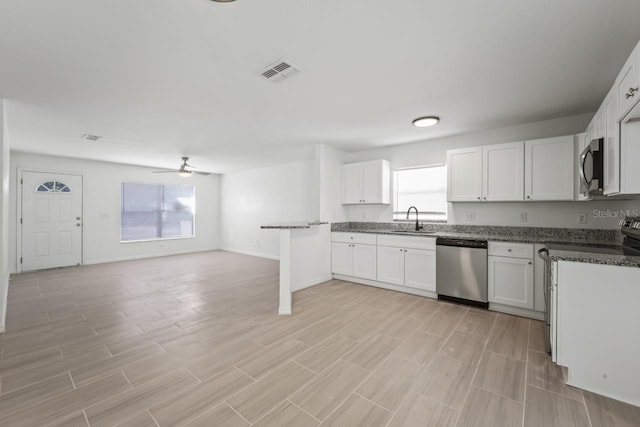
[(352, 183), (464, 175), (503, 166), (628, 83), (611, 145), (549, 168), (391, 265), (371, 182), (364, 261), (420, 269), (511, 281), (341, 258)]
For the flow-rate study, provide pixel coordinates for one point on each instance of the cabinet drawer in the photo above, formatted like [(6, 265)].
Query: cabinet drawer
[(409, 242), (511, 250), (362, 238)]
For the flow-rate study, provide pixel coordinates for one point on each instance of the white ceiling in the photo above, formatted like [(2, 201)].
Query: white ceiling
[(164, 78)]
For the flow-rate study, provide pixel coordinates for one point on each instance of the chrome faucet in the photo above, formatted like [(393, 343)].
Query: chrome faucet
[(418, 226)]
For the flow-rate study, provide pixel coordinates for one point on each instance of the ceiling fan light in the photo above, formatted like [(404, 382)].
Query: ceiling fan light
[(423, 122), (184, 173)]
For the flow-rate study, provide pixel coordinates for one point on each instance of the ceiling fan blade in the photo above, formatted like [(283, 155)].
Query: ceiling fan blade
[(167, 171), (201, 173)]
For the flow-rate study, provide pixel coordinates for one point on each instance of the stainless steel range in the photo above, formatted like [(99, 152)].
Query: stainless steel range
[(629, 227)]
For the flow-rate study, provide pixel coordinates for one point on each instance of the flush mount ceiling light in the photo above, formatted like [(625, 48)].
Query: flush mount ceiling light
[(184, 173), (424, 122)]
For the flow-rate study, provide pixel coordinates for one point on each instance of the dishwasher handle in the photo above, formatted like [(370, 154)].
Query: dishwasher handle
[(461, 243)]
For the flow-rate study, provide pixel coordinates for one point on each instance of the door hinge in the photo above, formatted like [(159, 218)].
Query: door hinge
[(20, 260), (21, 181), (20, 220)]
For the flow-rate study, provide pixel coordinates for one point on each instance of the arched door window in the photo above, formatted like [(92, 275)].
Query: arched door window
[(53, 187)]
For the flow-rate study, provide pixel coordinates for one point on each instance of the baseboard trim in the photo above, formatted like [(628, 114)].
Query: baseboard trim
[(4, 286), (251, 253), (134, 257), (517, 311), (310, 283), (398, 288), (284, 311)]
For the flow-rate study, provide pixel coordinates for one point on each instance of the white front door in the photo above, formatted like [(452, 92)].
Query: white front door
[(51, 220)]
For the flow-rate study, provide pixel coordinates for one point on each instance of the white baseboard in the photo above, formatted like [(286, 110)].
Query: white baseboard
[(516, 311), (144, 256), (405, 289), (284, 311), (310, 283), (251, 253), (4, 292)]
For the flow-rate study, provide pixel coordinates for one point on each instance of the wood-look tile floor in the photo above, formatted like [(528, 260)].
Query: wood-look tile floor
[(194, 340)]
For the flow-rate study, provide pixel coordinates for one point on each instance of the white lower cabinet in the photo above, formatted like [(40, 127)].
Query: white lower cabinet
[(341, 258), (364, 261), (354, 254), (391, 265), (407, 262), (420, 269), (352, 259), (511, 274)]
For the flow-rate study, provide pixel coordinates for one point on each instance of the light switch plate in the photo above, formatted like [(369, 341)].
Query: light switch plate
[(471, 216), (523, 217)]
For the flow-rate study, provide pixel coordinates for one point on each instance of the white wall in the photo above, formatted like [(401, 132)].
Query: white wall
[(4, 215), (548, 214), (101, 220), (255, 197)]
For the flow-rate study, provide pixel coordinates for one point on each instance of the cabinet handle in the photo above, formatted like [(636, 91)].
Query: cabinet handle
[(401, 250), (530, 262), (478, 197), (632, 91), (508, 250), (528, 197), (484, 198)]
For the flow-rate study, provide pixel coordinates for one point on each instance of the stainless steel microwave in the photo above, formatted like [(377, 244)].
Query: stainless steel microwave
[(592, 168)]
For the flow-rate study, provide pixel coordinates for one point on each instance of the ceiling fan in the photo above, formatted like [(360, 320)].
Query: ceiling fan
[(183, 171)]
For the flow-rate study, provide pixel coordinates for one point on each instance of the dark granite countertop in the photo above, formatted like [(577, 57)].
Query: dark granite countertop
[(564, 244), (609, 255), (294, 225), (483, 236)]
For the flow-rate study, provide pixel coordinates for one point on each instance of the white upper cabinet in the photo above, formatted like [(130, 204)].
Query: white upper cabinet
[(627, 84), (502, 175), (611, 144), (464, 174), (366, 182), (352, 183), (549, 168)]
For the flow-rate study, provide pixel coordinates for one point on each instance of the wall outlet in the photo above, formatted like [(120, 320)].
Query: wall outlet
[(523, 217), (364, 215), (470, 216), (257, 244), (582, 218)]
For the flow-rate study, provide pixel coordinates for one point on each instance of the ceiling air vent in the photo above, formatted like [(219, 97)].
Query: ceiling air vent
[(279, 71), (90, 137)]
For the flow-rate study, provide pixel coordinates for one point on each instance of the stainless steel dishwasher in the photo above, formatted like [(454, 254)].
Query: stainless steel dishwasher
[(461, 271)]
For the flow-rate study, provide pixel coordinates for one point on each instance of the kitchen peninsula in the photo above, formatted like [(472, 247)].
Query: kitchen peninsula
[(301, 257)]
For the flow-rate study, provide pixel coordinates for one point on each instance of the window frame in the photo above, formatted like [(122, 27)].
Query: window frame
[(423, 216), (154, 239)]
